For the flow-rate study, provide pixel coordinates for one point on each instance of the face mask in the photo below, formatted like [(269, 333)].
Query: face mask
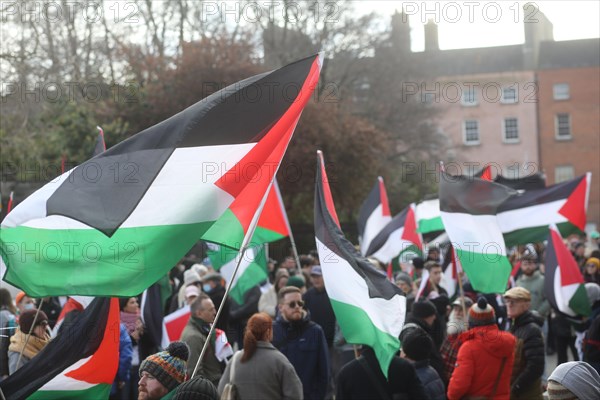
[(29, 306), (206, 288)]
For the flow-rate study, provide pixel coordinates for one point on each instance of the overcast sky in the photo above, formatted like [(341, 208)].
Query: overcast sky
[(464, 24)]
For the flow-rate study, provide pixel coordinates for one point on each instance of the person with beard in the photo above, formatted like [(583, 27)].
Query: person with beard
[(195, 334), (213, 287), (423, 315), (302, 342), (163, 372), (457, 324)]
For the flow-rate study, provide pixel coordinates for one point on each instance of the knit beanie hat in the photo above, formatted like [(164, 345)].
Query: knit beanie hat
[(481, 314), (593, 292), (404, 277), (26, 319), (417, 345), (423, 309), (296, 281), (198, 388), (168, 367), (190, 277), (574, 380)]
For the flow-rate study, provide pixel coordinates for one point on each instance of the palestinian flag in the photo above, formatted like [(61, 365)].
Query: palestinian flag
[(451, 269), (428, 216), (373, 216), (273, 223), (116, 223), (252, 271), (74, 303), (369, 309), (173, 325), (525, 218), (399, 236), (80, 363), (468, 207), (152, 313), (563, 284)]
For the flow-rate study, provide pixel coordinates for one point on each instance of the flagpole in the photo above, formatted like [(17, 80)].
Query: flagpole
[(289, 228), (241, 253), (29, 333)]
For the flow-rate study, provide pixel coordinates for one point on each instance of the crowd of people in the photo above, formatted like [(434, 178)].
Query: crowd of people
[(289, 345)]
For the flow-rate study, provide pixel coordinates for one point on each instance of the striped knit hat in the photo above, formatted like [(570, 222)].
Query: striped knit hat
[(168, 367), (481, 314)]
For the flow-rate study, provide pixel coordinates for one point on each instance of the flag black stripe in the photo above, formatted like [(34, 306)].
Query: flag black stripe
[(102, 198), (461, 194), (328, 233), (382, 237), (367, 208)]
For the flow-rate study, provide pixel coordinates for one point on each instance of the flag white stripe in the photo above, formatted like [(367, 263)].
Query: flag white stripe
[(65, 383), (227, 270), (428, 209), (375, 223), (527, 217), (343, 284), (475, 233)]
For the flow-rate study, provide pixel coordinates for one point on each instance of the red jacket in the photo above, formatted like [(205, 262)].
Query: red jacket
[(478, 364)]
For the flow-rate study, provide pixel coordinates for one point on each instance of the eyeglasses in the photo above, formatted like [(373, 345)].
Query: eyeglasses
[(43, 323), (293, 304)]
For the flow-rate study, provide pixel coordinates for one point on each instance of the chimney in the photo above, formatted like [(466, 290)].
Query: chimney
[(538, 28), (431, 36), (400, 35)]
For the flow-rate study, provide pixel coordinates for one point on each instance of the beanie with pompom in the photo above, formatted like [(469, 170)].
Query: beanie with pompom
[(481, 314), (168, 367)]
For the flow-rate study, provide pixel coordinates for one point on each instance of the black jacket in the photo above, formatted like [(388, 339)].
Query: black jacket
[(435, 357), (321, 312), (353, 381), (529, 357)]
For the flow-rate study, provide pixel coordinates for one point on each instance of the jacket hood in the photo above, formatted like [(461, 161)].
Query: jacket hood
[(494, 341)]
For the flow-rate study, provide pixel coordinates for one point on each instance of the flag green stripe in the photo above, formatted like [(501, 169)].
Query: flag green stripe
[(227, 230), (537, 234), (264, 235), (430, 225), (579, 302), (358, 329), (54, 262), (97, 392), (251, 277), (488, 273)]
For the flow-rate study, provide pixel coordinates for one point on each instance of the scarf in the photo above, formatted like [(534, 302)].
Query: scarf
[(204, 327), (129, 320), (34, 345)]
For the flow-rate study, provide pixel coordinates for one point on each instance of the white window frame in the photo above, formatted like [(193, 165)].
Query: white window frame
[(563, 169), (506, 139), (503, 98), (471, 142), (556, 127), (463, 98), (558, 94)]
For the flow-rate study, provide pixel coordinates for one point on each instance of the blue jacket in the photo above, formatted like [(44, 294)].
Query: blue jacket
[(434, 387), (125, 357), (304, 344)]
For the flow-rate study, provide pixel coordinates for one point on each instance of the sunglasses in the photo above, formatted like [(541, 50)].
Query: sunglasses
[(293, 304)]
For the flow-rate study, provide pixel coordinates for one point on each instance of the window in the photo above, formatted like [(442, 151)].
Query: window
[(510, 130), (471, 132), (563, 126), (509, 95), (469, 97), (561, 91), (563, 173)]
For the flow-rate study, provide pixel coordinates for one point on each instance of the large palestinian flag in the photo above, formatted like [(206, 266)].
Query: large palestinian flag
[(369, 309), (398, 236), (80, 363), (373, 216), (563, 284), (468, 208), (116, 223), (428, 216), (525, 218)]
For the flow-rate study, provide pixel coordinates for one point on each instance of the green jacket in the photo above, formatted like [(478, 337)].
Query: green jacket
[(194, 334), (535, 285)]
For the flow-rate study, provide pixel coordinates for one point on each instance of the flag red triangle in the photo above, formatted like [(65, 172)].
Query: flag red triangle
[(102, 366), (486, 174), (574, 207), (410, 228), (273, 214), (385, 205), (327, 191), (569, 271)]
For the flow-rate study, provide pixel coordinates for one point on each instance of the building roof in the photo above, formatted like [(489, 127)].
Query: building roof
[(570, 54), (472, 61)]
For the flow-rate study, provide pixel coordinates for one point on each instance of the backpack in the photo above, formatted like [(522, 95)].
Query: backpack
[(230, 391)]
